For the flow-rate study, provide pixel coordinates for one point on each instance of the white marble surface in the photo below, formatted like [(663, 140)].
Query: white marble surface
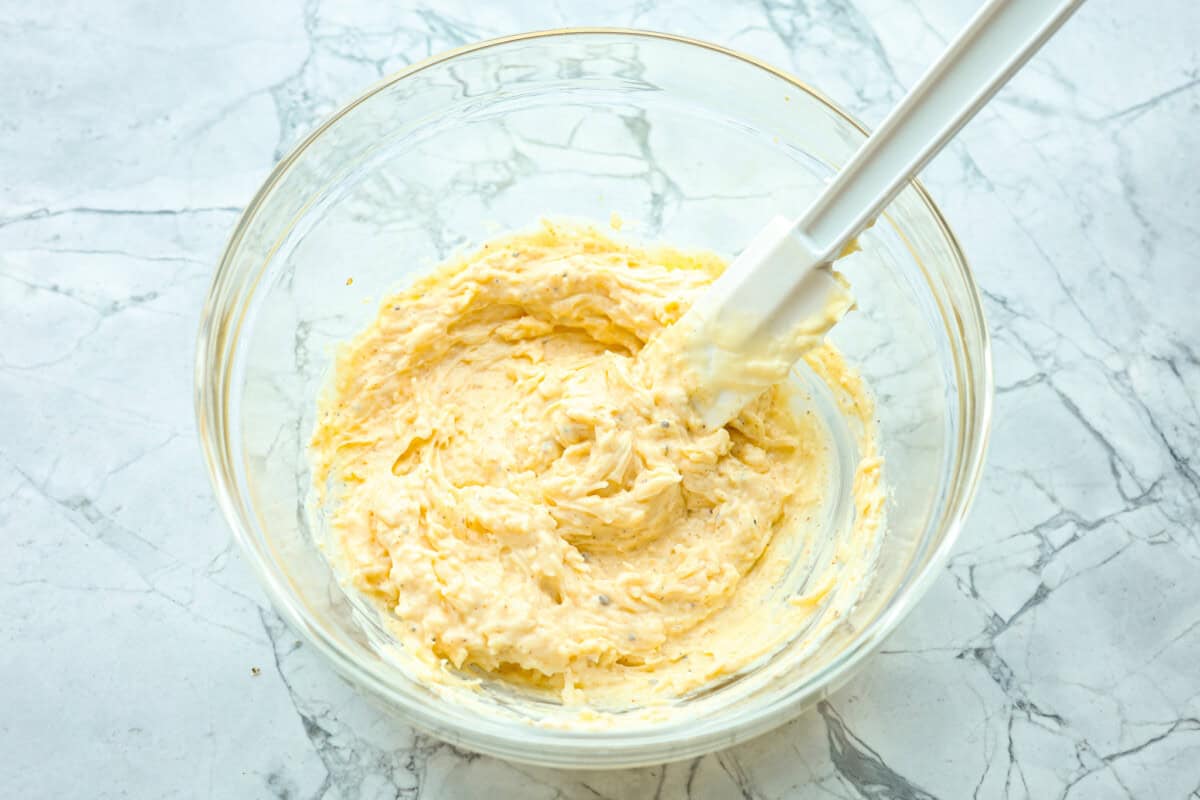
[(1058, 655)]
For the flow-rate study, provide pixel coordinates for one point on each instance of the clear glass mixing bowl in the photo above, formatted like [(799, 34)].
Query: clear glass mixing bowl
[(691, 144)]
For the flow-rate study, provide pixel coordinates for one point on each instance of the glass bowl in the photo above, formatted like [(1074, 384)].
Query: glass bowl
[(692, 145)]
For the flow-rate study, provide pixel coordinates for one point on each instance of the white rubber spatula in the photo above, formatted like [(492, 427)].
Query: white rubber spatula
[(780, 296)]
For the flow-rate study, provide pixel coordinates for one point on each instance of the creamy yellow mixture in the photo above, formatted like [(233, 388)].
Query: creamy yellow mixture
[(529, 501)]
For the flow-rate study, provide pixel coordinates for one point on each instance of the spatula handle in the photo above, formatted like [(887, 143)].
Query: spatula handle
[(995, 44)]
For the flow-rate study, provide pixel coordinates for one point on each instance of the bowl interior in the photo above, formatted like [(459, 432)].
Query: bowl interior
[(689, 145)]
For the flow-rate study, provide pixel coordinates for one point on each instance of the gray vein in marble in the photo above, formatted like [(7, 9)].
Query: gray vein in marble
[(863, 767)]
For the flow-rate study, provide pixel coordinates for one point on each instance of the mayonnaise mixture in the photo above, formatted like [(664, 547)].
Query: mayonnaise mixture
[(530, 502)]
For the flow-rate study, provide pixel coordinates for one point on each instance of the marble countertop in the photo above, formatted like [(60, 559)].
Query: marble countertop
[(1056, 656)]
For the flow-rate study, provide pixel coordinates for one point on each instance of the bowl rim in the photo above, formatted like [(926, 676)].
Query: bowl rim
[(574, 748)]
